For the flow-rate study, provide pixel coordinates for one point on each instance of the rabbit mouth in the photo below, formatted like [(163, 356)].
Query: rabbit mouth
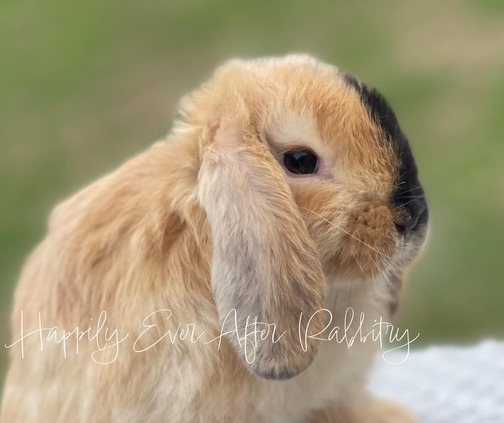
[(375, 242)]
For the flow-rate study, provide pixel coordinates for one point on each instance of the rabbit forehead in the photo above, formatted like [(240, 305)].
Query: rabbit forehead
[(302, 103)]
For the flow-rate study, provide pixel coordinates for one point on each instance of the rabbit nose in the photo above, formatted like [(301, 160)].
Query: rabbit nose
[(414, 216)]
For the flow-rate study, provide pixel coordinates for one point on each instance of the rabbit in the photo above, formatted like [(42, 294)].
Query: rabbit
[(198, 282)]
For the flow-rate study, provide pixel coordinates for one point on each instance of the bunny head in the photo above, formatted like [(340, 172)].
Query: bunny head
[(305, 177)]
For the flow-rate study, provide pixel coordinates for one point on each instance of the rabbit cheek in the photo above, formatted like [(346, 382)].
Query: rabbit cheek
[(369, 243)]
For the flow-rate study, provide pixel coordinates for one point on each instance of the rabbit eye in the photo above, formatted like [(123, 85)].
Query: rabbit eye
[(301, 162)]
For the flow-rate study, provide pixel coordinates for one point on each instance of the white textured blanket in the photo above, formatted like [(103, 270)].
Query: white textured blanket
[(446, 384)]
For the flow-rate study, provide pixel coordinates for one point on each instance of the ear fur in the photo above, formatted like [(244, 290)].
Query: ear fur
[(264, 263)]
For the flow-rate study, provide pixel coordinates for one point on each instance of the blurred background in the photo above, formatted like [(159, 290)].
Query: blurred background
[(86, 85)]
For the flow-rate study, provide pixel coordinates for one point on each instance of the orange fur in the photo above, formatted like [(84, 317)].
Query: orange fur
[(205, 221)]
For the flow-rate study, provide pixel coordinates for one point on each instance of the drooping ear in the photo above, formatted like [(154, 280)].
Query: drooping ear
[(265, 266)]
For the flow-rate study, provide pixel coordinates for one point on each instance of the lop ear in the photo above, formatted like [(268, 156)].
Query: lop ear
[(265, 266)]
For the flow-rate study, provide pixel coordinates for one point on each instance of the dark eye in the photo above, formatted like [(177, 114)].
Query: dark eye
[(301, 162)]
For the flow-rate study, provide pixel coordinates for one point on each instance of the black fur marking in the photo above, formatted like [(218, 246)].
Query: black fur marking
[(352, 81), (408, 193)]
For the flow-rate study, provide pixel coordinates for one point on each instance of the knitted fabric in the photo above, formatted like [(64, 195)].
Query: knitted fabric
[(446, 384)]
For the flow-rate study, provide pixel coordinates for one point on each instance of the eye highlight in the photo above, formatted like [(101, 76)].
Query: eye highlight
[(301, 162)]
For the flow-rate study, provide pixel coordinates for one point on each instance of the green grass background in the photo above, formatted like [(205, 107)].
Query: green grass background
[(85, 85)]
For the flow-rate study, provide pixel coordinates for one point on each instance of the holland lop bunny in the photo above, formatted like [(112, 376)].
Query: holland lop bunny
[(198, 282)]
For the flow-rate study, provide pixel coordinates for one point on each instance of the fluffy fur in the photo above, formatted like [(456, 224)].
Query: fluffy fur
[(208, 222)]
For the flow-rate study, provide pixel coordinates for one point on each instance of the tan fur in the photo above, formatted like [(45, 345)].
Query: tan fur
[(203, 222)]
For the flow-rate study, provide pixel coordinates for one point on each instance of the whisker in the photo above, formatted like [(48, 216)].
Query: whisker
[(358, 264), (378, 267), (389, 266), (401, 176), (410, 190), (408, 202), (390, 238), (346, 232), (400, 197)]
